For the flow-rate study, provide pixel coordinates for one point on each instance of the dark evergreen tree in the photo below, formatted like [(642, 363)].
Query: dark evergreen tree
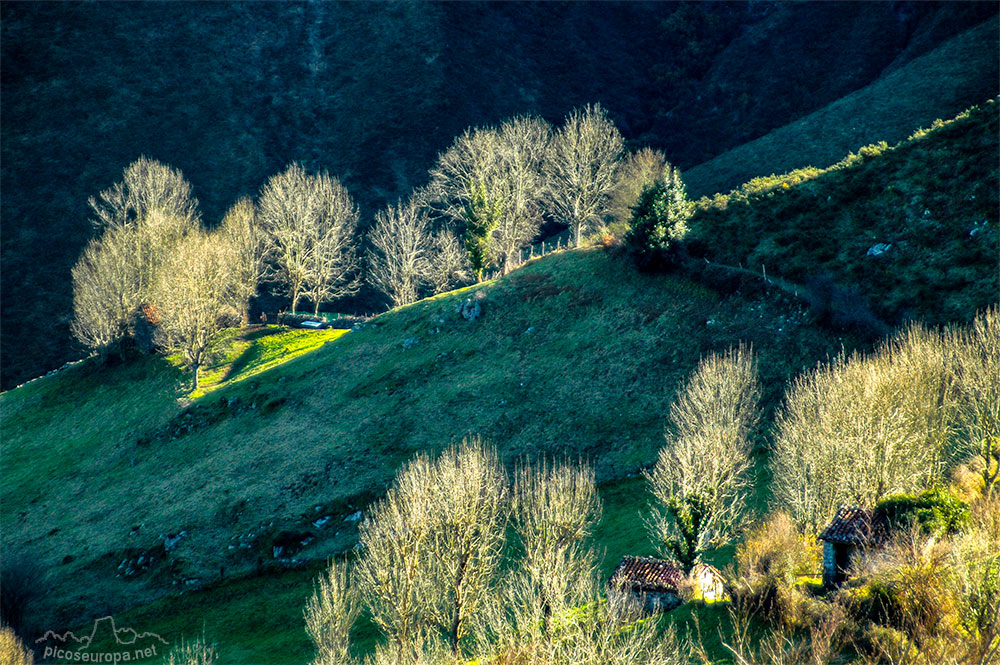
[(659, 222)]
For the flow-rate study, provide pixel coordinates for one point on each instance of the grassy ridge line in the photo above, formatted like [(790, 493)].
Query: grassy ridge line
[(931, 202), (961, 72), (576, 354)]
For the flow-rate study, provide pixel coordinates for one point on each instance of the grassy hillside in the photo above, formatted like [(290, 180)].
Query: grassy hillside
[(127, 491), (933, 198), (230, 612), (575, 354), (961, 72)]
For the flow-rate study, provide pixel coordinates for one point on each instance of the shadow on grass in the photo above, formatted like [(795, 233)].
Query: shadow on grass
[(250, 356), (252, 333)]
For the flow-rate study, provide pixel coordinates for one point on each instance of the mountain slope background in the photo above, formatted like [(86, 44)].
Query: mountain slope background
[(230, 93)]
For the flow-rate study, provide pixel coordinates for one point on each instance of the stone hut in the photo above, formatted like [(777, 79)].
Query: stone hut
[(852, 530), (645, 584)]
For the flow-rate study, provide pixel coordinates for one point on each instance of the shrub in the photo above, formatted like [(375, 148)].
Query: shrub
[(911, 586), (768, 563), (192, 653), (935, 512)]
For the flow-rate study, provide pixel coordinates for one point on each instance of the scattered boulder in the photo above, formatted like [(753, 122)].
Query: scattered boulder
[(879, 249), (136, 561), (471, 309), (170, 540), (410, 342)]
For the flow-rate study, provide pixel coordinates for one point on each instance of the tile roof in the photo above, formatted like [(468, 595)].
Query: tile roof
[(639, 573), (853, 525)]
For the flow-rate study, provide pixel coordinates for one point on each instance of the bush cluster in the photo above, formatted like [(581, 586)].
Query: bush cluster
[(935, 512)]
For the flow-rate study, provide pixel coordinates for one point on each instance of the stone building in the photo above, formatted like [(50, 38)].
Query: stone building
[(852, 530), (645, 584)]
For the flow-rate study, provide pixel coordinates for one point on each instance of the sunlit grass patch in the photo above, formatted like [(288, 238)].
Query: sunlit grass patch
[(242, 353)]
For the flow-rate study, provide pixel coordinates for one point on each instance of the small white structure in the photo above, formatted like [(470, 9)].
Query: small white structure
[(709, 584)]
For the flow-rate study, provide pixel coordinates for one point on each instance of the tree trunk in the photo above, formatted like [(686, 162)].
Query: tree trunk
[(194, 376), (316, 311), (453, 635)]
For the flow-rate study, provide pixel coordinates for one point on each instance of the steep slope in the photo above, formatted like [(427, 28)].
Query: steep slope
[(123, 487), (791, 59), (574, 354), (908, 232), (961, 72)]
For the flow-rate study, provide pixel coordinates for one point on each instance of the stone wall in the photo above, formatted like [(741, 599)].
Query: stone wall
[(829, 565), (646, 602)]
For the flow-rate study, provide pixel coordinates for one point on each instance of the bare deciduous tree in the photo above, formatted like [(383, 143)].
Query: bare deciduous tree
[(394, 554), (701, 477), (334, 261), (490, 183), (193, 294), (104, 290), (330, 614), (401, 246), (140, 221), (468, 187), (638, 171), (250, 245), (447, 262), (555, 510), (311, 220), (147, 187), (582, 169), (524, 146), (468, 535), (431, 547), (859, 429)]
